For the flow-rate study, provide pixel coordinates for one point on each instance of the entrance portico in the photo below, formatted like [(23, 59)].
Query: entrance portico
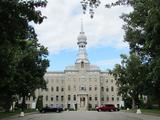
[(82, 102)]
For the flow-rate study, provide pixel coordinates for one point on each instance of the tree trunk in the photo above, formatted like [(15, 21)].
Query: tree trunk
[(133, 103), (7, 102), (23, 103)]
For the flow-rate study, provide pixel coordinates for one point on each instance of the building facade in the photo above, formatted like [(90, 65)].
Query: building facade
[(82, 86)]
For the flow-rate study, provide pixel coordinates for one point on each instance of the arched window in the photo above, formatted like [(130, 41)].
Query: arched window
[(52, 89), (112, 88), (112, 98), (51, 98), (62, 89), (83, 88), (57, 88), (56, 97), (82, 64), (74, 97), (46, 97), (95, 88), (102, 88), (107, 89), (62, 98), (102, 98), (69, 97), (117, 98)]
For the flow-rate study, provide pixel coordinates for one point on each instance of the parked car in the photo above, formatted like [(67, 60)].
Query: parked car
[(51, 109), (107, 107)]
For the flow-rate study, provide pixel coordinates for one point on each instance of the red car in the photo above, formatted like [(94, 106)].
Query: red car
[(107, 107)]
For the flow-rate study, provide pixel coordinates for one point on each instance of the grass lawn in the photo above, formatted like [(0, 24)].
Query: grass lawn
[(12, 113), (155, 111), (147, 111)]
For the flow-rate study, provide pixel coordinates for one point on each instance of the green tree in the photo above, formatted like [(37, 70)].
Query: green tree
[(31, 69), (142, 32), (130, 76), (39, 104), (15, 16)]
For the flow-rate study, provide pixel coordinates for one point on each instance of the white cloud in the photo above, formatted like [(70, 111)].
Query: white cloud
[(61, 28)]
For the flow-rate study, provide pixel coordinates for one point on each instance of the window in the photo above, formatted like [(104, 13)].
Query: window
[(90, 98), (51, 98), (82, 64), (102, 98), (90, 88), (57, 88), (62, 98), (62, 89), (117, 98), (112, 88), (95, 98), (52, 89), (83, 87), (102, 88), (112, 98), (69, 97), (95, 88), (74, 97), (46, 97), (107, 89), (56, 97)]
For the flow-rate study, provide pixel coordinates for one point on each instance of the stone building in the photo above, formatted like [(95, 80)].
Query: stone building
[(81, 86)]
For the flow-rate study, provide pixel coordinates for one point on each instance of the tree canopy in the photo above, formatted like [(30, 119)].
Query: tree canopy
[(22, 57), (131, 77), (142, 32)]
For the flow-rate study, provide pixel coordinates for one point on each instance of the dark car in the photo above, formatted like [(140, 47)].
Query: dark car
[(107, 107), (51, 109)]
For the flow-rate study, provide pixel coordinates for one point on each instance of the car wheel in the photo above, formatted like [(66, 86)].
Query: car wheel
[(57, 111), (110, 110), (99, 110), (43, 111)]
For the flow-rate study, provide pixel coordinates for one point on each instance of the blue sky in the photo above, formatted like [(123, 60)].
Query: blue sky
[(60, 30), (104, 57)]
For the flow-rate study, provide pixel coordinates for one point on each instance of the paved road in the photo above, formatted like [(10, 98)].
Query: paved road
[(88, 115)]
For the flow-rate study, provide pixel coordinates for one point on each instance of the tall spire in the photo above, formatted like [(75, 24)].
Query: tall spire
[(82, 25), (82, 54)]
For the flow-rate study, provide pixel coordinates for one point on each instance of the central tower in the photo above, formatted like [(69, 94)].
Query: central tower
[(82, 42)]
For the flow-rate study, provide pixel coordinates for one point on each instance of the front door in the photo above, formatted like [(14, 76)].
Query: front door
[(83, 102)]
